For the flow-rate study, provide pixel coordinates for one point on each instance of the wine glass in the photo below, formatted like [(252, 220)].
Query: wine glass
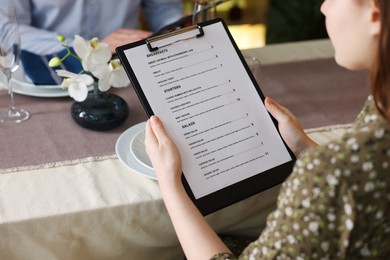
[(204, 10), (9, 60), (253, 64)]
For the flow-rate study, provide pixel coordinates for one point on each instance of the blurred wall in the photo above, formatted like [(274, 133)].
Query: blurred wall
[(295, 20)]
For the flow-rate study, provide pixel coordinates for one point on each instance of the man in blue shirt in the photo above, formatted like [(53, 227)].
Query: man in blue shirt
[(111, 21)]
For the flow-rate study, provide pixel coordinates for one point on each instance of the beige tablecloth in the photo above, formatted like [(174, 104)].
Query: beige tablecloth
[(89, 205)]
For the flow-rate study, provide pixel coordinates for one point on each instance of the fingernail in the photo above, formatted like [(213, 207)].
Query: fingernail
[(153, 120), (270, 101)]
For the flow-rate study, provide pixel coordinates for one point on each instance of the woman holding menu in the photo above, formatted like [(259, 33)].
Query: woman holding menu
[(335, 204)]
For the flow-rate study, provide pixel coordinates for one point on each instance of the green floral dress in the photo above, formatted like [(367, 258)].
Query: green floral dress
[(336, 202)]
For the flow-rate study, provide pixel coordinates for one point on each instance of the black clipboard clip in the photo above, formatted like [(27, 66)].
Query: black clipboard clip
[(149, 41)]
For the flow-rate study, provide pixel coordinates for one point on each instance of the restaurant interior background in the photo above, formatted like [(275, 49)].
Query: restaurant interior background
[(255, 23)]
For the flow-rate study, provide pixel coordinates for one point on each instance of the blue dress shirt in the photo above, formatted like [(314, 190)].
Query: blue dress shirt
[(42, 20)]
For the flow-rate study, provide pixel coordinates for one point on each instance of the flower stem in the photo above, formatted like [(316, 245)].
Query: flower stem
[(96, 88), (66, 46)]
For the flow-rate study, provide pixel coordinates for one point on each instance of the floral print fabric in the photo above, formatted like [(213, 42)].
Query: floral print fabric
[(336, 202)]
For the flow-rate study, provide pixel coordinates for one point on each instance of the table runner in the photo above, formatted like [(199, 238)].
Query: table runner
[(51, 138), (319, 92)]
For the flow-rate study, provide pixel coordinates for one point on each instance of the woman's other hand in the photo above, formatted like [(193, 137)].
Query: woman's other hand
[(289, 127), (163, 152)]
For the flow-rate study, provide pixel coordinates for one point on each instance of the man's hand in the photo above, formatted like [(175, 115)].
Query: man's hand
[(124, 36)]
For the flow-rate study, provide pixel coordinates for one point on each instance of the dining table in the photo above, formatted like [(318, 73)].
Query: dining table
[(67, 192)]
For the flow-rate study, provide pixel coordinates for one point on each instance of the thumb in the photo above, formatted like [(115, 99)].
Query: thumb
[(157, 127), (276, 110)]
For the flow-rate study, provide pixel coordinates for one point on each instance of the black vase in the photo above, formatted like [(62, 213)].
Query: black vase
[(100, 111)]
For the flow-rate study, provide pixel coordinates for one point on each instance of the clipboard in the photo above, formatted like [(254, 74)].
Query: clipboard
[(196, 80)]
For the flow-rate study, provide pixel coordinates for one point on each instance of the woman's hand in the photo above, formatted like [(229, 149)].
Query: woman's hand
[(289, 126), (163, 153), (189, 223)]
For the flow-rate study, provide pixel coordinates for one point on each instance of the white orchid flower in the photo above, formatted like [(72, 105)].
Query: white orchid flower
[(77, 84), (94, 54), (95, 57), (113, 75)]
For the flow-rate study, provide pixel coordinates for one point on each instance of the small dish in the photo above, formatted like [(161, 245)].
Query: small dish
[(137, 148), (125, 155)]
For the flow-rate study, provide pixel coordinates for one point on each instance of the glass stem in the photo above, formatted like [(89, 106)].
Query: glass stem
[(10, 92), (194, 13)]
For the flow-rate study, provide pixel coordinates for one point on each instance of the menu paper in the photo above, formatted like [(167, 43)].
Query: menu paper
[(210, 107)]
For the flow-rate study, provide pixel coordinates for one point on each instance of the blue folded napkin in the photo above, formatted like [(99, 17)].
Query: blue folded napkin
[(37, 69)]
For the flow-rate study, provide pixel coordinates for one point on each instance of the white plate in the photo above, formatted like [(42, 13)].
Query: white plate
[(122, 149), (38, 91), (24, 86)]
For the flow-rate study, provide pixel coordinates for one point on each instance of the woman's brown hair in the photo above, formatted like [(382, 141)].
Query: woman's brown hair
[(380, 80)]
